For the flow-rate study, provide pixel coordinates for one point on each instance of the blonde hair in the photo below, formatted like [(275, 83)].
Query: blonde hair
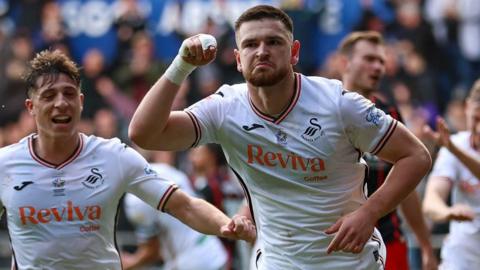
[(348, 43)]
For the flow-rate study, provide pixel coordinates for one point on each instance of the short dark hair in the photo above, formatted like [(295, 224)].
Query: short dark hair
[(52, 64), (347, 44), (264, 12)]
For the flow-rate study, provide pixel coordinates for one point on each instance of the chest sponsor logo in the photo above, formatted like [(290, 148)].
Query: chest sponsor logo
[(23, 185), (313, 131), (252, 127), (94, 180), (32, 215), (258, 155)]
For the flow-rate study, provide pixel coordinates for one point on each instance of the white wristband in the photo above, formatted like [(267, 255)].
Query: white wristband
[(178, 70)]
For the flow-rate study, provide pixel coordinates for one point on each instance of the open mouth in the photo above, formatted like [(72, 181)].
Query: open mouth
[(375, 78), (61, 119)]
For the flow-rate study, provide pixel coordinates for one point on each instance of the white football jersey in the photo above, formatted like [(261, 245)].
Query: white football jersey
[(182, 247), (302, 170), (462, 246), (63, 217)]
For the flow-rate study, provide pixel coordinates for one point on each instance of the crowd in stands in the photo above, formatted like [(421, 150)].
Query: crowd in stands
[(123, 46)]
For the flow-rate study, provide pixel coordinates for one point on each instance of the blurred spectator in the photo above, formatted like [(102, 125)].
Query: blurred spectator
[(139, 70), (412, 27), (106, 124), (129, 19), (457, 32), (213, 180), (93, 69), (51, 30), (89, 25), (28, 15), (12, 93)]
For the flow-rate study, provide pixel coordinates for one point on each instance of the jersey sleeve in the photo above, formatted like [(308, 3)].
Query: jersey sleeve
[(142, 216), (143, 181), (445, 165), (367, 127), (207, 116)]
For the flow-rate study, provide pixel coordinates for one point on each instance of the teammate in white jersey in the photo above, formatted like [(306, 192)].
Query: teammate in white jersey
[(452, 174), (181, 247), (61, 189), (296, 144)]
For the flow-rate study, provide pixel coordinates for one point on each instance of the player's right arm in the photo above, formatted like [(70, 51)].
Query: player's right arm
[(205, 218), (435, 206), (442, 138), (153, 125)]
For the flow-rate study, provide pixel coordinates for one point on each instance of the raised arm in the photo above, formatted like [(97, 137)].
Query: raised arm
[(207, 219), (442, 138), (153, 125), (411, 161)]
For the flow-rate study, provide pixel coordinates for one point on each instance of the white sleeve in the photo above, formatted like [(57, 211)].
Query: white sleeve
[(446, 165), (143, 181), (142, 216), (367, 127), (207, 116)]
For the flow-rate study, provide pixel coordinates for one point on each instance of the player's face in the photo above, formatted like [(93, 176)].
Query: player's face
[(266, 52), (56, 105), (366, 66)]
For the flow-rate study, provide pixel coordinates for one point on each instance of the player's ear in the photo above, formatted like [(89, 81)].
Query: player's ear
[(343, 62), (29, 106), (82, 98), (295, 52), (237, 58)]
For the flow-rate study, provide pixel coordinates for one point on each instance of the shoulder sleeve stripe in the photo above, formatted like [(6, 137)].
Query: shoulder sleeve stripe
[(165, 197), (198, 130), (385, 137)]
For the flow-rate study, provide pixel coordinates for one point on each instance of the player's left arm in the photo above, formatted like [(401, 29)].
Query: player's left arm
[(411, 161), (207, 219)]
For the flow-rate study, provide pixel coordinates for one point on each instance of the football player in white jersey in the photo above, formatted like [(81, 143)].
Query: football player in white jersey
[(295, 142), (60, 189), (181, 247), (363, 58), (456, 172)]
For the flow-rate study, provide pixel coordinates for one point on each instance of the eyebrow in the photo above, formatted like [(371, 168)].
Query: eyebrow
[(275, 37)]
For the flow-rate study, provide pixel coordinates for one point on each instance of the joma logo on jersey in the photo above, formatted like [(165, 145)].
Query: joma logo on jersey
[(30, 214), (257, 155)]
